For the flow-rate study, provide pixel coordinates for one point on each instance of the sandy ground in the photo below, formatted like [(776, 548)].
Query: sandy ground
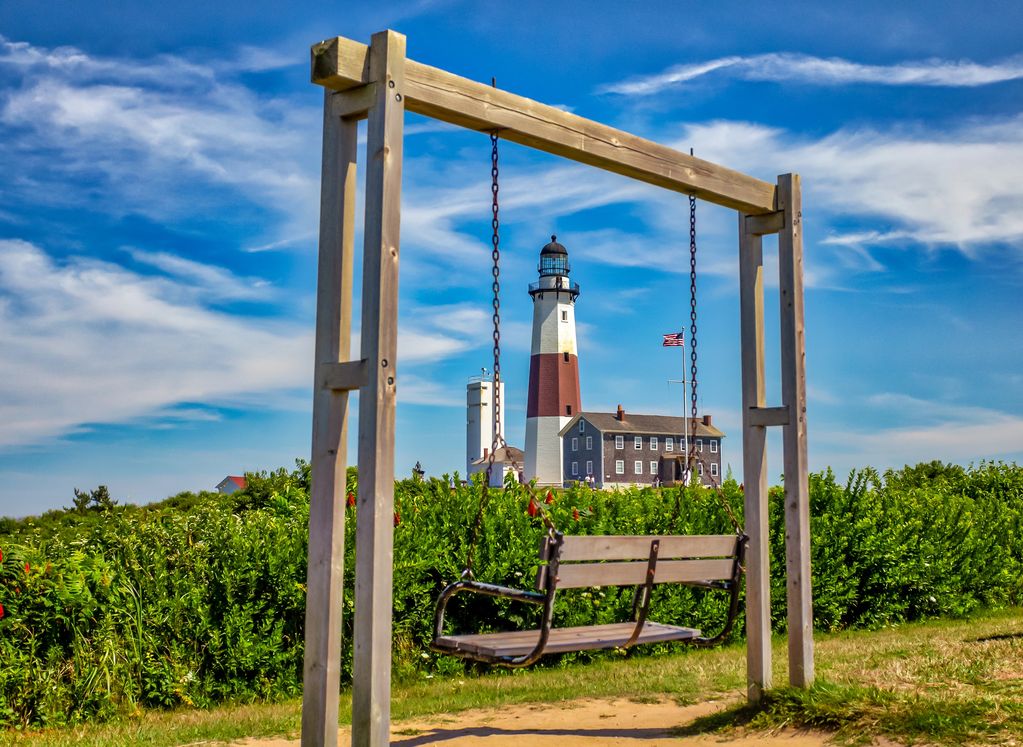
[(582, 723)]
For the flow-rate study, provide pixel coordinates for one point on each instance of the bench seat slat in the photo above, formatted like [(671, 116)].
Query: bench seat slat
[(633, 573), (585, 638), (611, 547)]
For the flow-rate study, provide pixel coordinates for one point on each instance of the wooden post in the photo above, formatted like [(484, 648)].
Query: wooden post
[(375, 530), (754, 454), (793, 392), (322, 670)]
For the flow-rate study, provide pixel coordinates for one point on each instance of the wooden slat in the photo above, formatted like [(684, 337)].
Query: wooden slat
[(754, 461), (626, 573), (371, 693), (343, 377), (356, 102), (793, 392), (562, 640), (611, 547), (322, 669), (758, 225), (769, 416), (341, 64)]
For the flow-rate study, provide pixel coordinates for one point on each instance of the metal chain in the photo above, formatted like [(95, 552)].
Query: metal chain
[(690, 448), (496, 442)]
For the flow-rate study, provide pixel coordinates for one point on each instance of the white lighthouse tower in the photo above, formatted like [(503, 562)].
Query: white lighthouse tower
[(480, 427), (553, 366)]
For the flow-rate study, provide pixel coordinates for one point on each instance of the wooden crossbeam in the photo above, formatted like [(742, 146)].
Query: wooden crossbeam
[(767, 416), (341, 64)]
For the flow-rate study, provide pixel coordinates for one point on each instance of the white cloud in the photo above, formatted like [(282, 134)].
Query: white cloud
[(830, 71), (958, 187), (86, 341), (933, 430)]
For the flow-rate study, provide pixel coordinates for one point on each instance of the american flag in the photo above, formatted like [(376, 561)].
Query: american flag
[(674, 340)]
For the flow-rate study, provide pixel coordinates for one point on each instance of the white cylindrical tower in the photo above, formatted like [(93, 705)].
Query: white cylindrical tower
[(553, 366), (479, 420)]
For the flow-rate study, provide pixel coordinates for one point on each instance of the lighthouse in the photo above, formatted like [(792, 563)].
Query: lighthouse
[(553, 365)]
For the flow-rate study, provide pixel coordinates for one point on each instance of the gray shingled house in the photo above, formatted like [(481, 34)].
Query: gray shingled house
[(619, 450)]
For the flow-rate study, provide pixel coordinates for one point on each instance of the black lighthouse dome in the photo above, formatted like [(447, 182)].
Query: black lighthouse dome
[(554, 259)]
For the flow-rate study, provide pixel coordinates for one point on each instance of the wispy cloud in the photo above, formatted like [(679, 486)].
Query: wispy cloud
[(827, 71)]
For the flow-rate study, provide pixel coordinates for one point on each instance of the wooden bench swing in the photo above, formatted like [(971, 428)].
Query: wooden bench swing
[(567, 562), (378, 84)]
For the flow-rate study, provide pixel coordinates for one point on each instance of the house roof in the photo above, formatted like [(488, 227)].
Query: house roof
[(505, 454), (239, 481), (608, 422)]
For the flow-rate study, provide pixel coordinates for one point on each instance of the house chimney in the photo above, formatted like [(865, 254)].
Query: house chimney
[(707, 420), (621, 413)]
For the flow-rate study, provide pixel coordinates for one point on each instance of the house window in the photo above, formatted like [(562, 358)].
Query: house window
[(619, 442), (568, 409), (575, 444), (699, 445), (638, 442), (566, 357), (619, 466), (589, 442), (699, 467), (638, 467), (582, 425), (714, 447), (669, 444), (714, 469), (575, 469), (653, 468), (564, 317), (589, 467), (653, 443)]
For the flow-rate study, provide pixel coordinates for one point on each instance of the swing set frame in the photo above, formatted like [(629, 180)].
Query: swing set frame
[(378, 83)]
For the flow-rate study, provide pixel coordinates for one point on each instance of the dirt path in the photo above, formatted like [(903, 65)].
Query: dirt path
[(581, 723)]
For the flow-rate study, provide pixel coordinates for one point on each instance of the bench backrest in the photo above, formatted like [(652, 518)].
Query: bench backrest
[(625, 560)]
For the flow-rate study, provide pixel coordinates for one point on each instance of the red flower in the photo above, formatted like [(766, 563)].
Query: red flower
[(27, 568), (575, 514), (532, 509), (351, 499), (17, 589), (1, 610), (549, 499), (397, 518), (1, 556)]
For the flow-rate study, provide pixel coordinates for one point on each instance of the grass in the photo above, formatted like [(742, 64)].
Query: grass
[(940, 682)]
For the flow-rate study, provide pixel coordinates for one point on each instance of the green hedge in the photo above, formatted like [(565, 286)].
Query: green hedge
[(200, 599)]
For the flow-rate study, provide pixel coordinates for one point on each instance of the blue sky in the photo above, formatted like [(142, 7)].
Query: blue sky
[(159, 199)]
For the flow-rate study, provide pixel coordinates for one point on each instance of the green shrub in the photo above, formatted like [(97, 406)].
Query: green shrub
[(201, 598)]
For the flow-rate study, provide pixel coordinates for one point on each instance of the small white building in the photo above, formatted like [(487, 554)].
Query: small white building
[(507, 460)]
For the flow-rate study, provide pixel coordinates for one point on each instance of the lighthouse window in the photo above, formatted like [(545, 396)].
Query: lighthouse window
[(568, 409), (619, 466), (566, 357), (564, 317), (638, 442), (619, 442)]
